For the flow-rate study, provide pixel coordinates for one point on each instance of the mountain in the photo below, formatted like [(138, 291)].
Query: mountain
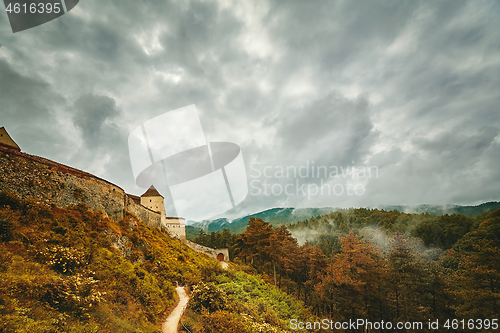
[(275, 216), (287, 216), (471, 211), (74, 270)]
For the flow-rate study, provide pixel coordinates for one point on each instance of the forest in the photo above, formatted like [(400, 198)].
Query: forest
[(378, 265), (74, 270)]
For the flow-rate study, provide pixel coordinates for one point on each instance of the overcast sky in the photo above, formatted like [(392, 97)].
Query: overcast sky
[(409, 89)]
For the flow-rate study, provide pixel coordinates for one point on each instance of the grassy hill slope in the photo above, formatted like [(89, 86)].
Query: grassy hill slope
[(73, 270)]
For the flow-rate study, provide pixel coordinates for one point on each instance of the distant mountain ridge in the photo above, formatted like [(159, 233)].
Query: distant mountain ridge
[(471, 211), (275, 216), (287, 216)]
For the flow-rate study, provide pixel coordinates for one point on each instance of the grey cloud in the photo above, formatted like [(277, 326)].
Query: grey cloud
[(94, 116), (457, 146), (333, 127), (104, 151), (447, 168), (27, 106), (410, 87), (22, 96)]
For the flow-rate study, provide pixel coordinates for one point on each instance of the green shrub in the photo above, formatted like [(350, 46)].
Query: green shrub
[(224, 322), (207, 296), (75, 294), (63, 259)]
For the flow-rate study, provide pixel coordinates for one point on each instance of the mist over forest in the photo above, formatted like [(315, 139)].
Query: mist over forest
[(376, 264)]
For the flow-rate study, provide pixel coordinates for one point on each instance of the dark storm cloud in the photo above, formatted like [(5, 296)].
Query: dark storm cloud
[(104, 142), (411, 87), (451, 167), (332, 127), (94, 117), (459, 147), (27, 107), (104, 148), (20, 95)]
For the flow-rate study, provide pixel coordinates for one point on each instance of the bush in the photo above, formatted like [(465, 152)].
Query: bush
[(224, 322), (8, 199), (76, 294), (207, 296), (6, 228), (63, 259)]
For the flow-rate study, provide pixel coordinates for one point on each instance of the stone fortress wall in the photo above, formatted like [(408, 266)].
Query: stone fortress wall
[(176, 226), (219, 254), (49, 182), (150, 217), (154, 203)]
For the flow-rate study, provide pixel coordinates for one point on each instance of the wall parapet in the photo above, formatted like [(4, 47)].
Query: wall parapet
[(150, 217), (214, 253)]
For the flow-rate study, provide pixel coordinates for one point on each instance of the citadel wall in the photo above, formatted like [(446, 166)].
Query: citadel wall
[(176, 226), (49, 182), (214, 253), (154, 203), (150, 217)]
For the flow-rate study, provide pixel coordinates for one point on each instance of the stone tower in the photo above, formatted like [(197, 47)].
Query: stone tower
[(153, 200)]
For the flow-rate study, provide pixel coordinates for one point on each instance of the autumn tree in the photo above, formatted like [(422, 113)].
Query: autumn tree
[(254, 244), (477, 275), (350, 287)]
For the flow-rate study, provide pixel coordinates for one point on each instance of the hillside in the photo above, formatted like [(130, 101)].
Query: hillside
[(369, 263), (72, 269), (441, 231), (78, 255)]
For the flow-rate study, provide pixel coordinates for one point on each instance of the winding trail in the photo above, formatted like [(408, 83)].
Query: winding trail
[(172, 321), (170, 325)]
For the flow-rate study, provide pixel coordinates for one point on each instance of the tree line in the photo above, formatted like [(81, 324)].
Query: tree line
[(379, 265)]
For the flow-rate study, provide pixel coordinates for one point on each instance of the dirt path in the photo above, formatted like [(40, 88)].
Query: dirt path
[(170, 325), (224, 264)]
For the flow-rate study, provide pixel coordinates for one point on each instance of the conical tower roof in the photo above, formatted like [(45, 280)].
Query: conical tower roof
[(6, 140), (152, 192)]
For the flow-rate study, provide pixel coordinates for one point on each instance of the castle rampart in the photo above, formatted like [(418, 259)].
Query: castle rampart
[(49, 182), (150, 217), (219, 254), (176, 226)]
